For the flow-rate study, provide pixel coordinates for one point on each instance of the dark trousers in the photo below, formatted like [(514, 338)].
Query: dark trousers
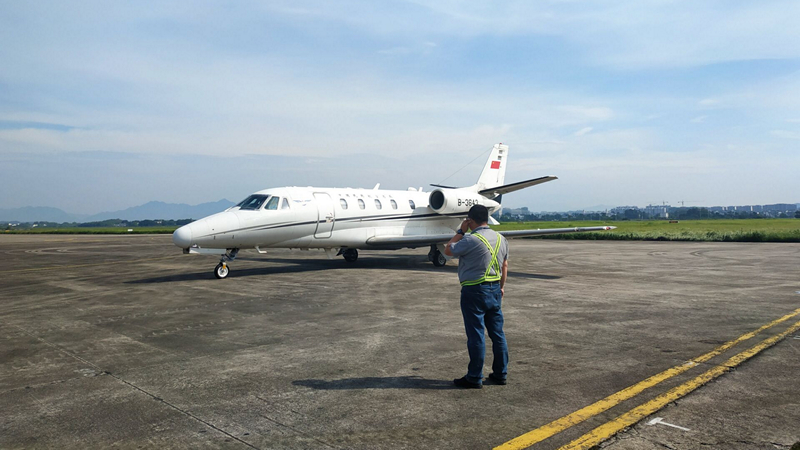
[(480, 306)]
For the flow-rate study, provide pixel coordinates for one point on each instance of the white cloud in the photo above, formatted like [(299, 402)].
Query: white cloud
[(786, 134), (629, 33), (308, 79)]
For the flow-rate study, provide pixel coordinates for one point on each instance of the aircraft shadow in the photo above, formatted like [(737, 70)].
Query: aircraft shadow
[(407, 382), (296, 265)]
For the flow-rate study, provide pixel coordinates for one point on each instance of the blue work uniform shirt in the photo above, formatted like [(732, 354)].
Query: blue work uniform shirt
[(473, 255)]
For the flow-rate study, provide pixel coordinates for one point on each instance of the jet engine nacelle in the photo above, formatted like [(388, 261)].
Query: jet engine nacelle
[(448, 201)]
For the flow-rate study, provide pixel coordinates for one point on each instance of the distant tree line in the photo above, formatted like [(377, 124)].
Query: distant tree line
[(687, 213), (106, 223), (135, 223)]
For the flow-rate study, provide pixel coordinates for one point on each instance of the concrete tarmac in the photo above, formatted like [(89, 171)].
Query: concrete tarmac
[(124, 342)]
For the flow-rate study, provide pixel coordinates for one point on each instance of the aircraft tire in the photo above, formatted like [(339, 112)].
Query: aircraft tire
[(221, 271), (350, 255), (439, 259)]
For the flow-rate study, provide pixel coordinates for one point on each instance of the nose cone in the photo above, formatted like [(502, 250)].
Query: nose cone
[(182, 237)]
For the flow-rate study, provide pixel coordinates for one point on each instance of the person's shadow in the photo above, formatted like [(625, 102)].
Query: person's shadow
[(407, 382)]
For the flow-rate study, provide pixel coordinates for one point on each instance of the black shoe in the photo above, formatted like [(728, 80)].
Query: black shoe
[(463, 382), (498, 380)]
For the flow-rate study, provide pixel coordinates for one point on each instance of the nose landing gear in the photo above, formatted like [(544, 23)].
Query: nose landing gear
[(222, 270)]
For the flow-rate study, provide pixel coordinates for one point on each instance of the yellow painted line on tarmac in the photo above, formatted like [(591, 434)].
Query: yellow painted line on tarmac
[(605, 431), (72, 266), (570, 420)]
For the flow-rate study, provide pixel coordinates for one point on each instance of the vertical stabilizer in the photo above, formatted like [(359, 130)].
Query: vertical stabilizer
[(494, 172)]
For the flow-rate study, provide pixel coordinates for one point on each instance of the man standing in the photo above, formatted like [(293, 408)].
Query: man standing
[(482, 271)]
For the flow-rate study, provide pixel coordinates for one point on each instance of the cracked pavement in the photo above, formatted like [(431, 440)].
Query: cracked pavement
[(121, 341)]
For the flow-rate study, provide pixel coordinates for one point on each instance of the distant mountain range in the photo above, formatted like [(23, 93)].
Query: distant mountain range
[(38, 214), (150, 210)]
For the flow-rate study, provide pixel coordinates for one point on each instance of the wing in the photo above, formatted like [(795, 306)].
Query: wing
[(409, 241), (422, 240), (525, 233)]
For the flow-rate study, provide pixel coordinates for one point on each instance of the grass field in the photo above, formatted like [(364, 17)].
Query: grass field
[(741, 230)]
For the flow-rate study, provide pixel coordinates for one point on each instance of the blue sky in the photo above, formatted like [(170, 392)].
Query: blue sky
[(106, 105)]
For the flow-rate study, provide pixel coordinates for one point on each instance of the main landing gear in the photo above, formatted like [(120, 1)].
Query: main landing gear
[(350, 254), (222, 270), (436, 257)]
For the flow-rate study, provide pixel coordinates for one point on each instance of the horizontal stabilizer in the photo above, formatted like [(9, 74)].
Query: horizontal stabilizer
[(432, 239), (443, 186), (506, 188)]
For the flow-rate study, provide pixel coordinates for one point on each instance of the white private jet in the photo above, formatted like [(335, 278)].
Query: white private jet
[(342, 221)]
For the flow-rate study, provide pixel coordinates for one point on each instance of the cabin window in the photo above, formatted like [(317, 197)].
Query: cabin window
[(252, 202), (272, 203), (378, 204), (394, 204), (361, 204), (411, 204), (343, 202), (285, 204)]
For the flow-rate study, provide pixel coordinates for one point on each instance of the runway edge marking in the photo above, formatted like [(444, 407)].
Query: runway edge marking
[(572, 419), (609, 429)]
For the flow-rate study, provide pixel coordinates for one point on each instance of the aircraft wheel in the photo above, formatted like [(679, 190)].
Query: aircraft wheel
[(439, 259), (221, 271), (350, 255)]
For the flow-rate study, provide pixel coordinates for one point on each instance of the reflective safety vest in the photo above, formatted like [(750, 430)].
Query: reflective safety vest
[(494, 264)]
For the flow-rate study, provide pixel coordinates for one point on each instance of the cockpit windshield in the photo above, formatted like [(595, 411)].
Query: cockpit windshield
[(273, 203), (252, 202)]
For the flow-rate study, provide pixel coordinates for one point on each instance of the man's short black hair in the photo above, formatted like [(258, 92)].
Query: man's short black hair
[(479, 214)]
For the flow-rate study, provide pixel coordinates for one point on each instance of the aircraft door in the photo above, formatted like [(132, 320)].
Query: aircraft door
[(326, 215)]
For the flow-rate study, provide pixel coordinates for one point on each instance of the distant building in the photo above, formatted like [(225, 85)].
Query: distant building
[(761, 210), (781, 207), (622, 209), (665, 212), (658, 211), (516, 213)]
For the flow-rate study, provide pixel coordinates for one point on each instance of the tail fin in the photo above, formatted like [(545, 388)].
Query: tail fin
[(494, 172)]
